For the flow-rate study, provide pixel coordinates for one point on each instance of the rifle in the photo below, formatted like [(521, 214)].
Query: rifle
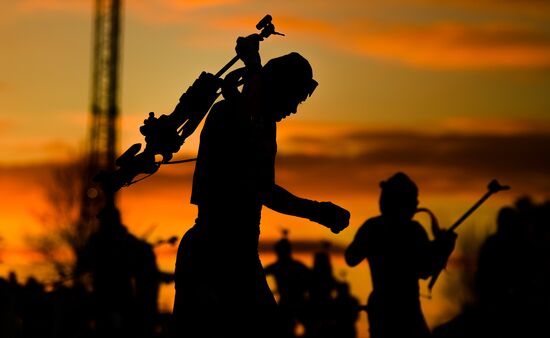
[(493, 187), (164, 135)]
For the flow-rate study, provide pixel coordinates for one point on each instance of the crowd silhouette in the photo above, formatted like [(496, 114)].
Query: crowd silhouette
[(313, 303), (512, 296), (512, 280), (309, 306), (112, 293)]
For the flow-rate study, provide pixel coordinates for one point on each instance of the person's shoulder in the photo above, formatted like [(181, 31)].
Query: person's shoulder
[(218, 118), (272, 268), (419, 230), (416, 225), (300, 265), (370, 225), (373, 222), (219, 109), (222, 112)]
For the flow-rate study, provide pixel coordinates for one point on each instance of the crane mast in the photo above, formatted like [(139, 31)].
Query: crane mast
[(104, 109)]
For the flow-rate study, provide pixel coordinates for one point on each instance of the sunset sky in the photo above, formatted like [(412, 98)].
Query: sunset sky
[(454, 93)]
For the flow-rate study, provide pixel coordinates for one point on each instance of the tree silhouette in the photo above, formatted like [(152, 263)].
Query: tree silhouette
[(64, 234)]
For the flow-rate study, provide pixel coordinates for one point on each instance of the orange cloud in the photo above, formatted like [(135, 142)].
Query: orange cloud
[(458, 45), (535, 8), (55, 5), (5, 125), (445, 45), (154, 11), (173, 11), (491, 126), (433, 45), (35, 150)]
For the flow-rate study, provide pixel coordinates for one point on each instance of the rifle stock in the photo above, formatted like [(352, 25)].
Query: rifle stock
[(164, 135)]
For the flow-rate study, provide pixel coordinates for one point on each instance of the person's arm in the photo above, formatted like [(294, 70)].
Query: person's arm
[(326, 213), (442, 247), (356, 251), (433, 254), (248, 50)]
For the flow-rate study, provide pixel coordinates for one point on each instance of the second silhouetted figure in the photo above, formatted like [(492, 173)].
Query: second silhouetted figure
[(399, 253)]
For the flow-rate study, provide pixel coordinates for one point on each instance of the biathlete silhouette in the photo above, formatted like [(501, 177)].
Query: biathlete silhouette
[(400, 253), (221, 287)]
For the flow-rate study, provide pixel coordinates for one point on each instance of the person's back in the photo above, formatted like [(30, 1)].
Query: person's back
[(396, 252), (227, 163)]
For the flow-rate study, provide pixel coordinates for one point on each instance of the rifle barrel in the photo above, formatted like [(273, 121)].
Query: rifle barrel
[(227, 66), (472, 209)]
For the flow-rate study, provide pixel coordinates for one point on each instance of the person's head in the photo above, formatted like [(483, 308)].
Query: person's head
[(399, 197), (287, 81), (283, 249)]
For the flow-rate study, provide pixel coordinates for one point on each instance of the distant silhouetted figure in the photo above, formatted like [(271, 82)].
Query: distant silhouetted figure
[(512, 279), (146, 285), (35, 314), (10, 306), (124, 278), (346, 312), (501, 270), (221, 287), (321, 312), (109, 259), (293, 279), (399, 253)]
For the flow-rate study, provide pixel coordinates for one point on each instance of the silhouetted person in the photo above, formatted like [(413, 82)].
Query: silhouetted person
[(513, 281), (321, 312), (512, 292), (493, 311), (292, 279), (147, 282), (10, 303), (500, 254), (221, 289), (117, 261), (70, 309), (399, 253), (35, 314), (346, 312)]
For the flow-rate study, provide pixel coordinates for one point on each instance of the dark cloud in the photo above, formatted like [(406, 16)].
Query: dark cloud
[(441, 162), (523, 154), (445, 163)]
